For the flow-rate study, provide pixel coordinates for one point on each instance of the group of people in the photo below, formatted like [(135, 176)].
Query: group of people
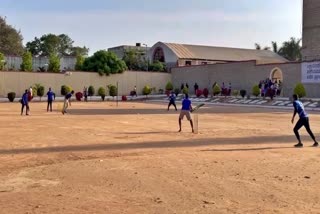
[(269, 88), (28, 96)]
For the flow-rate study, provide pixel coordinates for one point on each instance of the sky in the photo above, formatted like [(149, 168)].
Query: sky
[(100, 24)]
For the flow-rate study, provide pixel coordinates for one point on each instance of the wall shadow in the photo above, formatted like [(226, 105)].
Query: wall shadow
[(191, 143)]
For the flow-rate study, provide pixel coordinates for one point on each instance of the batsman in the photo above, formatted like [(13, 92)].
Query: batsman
[(185, 111)]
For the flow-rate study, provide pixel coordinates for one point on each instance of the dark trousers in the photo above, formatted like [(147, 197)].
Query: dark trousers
[(49, 105), (27, 108), (303, 122), (172, 103)]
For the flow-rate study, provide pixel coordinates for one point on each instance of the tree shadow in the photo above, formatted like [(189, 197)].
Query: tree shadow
[(190, 143)]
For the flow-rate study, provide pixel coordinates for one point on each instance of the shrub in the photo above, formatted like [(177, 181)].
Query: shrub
[(199, 93), (133, 93), (243, 93), (146, 90), (169, 86), (160, 91), (2, 62), (255, 90), (79, 63), (65, 90), (26, 64), (40, 90), (124, 98), (185, 90), (112, 90), (216, 90), (91, 91), (11, 96), (300, 90), (177, 91), (235, 93), (102, 93), (205, 93), (54, 63), (157, 66), (79, 96)]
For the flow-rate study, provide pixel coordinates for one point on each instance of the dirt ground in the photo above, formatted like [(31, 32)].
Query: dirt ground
[(131, 159)]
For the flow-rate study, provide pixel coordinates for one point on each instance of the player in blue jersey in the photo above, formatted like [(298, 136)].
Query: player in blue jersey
[(51, 97), (185, 111), (303, 121)]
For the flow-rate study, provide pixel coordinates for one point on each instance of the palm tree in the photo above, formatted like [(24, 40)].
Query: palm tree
[(275, 47), (258, 47), (291, 49)]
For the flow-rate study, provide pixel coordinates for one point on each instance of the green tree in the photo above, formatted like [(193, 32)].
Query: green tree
[(216, 90), (51, 44), (135, 60), (146, 90), (291, 49), (79, 62), (157, 66), (258, 47), (102, 93), (275, 47), (169, 86), (26, 64), (256, 90), (300, 90), (79, 51), (91, 91), (10, 39), (112, 90), (39, 89), (2, 62), (65, 89), (54, 63), (104, 62)]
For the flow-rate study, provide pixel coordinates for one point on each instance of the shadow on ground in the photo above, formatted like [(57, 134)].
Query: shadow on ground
[(191, 143)]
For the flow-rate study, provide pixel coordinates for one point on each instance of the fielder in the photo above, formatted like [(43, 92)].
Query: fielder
[(67, 102)]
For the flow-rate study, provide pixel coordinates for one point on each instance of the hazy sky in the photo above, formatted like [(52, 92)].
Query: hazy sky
[(99, 24)]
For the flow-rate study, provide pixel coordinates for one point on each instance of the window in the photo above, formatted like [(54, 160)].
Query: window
[(188, 63), (158, 55)]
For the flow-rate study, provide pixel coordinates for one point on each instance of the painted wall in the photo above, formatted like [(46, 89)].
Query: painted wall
[(19, 81), (241, 75)]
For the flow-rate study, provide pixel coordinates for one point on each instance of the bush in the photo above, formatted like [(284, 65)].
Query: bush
[(133, 93), (169, 86), (40, 90), (146, 90), (185, 90), (235, 93), (11, 96), (177, 91), (54, 63), (79, 96), (91, 91), (216, 90), (300, 90), (205, 93), (65, 90), (26, 64), (124, 98), (2, 62), (160, 91), (255, 90), (157, 66), (102, 93), (79, 63), (199, 93), (112, 90), (243, 93)]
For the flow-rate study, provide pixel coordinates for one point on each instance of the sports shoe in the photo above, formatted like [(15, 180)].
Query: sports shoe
[(299, 145), (316, 144)]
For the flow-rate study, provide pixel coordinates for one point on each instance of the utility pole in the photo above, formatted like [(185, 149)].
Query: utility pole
[(147, 56)]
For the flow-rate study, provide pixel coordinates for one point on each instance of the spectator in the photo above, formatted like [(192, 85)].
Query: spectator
[(25, 102), (196, 87), (182, 86), (85, 94), (51, 97), (187, 86)]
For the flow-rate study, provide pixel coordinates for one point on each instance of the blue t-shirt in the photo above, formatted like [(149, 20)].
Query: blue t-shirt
[(68, 96), (50, 95), (25, 97), (299, 108), (172, 97), (186, 103)]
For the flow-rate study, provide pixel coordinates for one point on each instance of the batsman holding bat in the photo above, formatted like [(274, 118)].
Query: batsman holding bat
[(185, 111)]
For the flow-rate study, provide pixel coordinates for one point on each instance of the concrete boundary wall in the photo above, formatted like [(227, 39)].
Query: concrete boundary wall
[(242, 75), (19, 81)]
